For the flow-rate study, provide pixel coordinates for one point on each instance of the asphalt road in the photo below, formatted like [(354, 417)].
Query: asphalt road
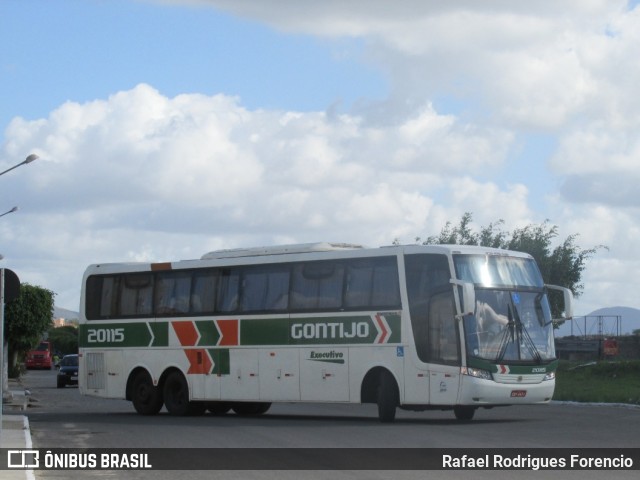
[(63, 418)]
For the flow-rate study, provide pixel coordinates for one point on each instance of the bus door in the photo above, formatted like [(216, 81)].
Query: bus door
[(444, 349), (435, 377), (435, 331)]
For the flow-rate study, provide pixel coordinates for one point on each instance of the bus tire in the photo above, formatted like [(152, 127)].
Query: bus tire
[(464, 413), (176, 394), (197, 408), (246, 409), (262, 408), (388, 397), (146, 397), (218, 408)]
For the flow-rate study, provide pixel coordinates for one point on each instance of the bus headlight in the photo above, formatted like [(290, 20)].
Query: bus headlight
[(476, 372), (549, 376)]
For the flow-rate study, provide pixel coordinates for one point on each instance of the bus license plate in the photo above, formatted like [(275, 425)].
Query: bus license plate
[(518, 393)]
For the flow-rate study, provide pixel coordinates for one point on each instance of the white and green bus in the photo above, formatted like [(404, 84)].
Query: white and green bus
[(415, 327)]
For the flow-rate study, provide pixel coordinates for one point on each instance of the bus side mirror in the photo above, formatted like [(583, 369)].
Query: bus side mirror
[(468, 297), (568, 300)]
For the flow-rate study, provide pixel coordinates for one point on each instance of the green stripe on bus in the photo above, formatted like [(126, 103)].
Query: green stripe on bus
[(105, 335), (362, 329), (273, 331), (356, 329), (160, 334), (209, 334), (512, 369), (221, 361)]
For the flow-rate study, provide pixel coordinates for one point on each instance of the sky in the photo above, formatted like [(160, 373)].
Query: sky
[(167, 129)]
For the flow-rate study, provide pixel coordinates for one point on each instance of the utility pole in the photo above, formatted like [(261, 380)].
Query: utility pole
[(9, 289)]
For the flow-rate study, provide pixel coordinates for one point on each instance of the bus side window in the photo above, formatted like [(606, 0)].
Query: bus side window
[(172, 293), (203, 293), (109, 296), (101, 296), (359, 281), (136, 292), (265, 288), (228, 290), (385, 291), (317, 286), (372, 283)]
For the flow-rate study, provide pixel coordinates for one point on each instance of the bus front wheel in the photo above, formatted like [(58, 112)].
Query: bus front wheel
[(146, 397), (464, 413), (388, 397)]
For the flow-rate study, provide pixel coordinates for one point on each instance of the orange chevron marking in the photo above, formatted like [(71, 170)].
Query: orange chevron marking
[(229, 331), (199, 361), (186, 332)]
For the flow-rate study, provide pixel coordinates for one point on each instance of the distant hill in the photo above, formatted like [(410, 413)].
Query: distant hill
[(59, 312), (588, 324)]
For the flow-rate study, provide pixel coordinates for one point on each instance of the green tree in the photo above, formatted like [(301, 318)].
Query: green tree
[(562, 264), (27, 318), (64, 339)]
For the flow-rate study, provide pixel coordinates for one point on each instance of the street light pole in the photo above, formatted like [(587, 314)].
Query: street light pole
[(29, 159), (3, 281)]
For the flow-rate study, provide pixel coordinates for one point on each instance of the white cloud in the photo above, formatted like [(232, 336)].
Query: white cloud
[(607, 277), (537, 64), (142, 176), (491, 203)]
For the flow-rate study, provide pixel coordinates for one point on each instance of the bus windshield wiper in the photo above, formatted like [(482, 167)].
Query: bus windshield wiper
[(523, 333), (507, 336)]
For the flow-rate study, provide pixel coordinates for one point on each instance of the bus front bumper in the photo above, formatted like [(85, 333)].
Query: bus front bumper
[(481, 392)]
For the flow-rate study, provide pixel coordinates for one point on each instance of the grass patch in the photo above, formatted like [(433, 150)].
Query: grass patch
[(606, 382)]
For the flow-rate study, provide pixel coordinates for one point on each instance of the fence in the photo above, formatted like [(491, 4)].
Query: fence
[(598, 337)]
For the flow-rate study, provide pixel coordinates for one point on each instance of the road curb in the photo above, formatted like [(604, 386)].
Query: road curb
[(16, 435)]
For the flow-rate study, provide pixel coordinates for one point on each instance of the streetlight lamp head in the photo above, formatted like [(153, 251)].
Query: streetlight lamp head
[(14, 209), (31, 158)]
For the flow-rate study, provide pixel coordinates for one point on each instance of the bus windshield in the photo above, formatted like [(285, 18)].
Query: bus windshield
[(512, 320), (498, 271), (510, 326)]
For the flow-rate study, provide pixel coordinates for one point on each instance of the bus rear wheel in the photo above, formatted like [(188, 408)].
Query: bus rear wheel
[(146, 397), (218, 408), (251, 408), (388, 397), (176, 397)]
